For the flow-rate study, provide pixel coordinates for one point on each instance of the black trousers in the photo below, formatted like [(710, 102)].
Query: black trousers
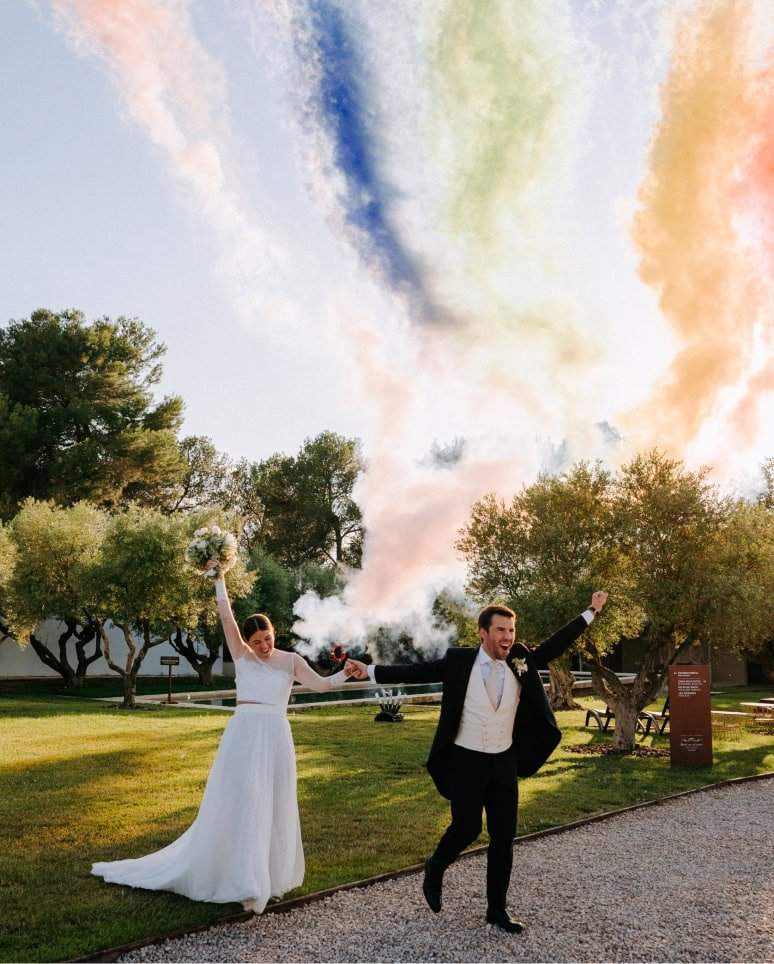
[(482, 782)]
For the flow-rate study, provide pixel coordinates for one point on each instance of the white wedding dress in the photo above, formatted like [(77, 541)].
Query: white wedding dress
[(245, 843)]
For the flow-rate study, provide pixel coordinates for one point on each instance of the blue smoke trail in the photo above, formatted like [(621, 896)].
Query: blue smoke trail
[(339, 105)]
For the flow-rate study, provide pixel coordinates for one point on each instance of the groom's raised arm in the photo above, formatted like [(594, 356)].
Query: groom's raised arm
[(432, 672), (556, 644)]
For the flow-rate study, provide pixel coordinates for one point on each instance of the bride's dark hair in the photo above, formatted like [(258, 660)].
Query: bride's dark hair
[(257, 623)]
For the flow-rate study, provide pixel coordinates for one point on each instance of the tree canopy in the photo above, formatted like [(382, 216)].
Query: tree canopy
[(145, 590), (544, 554), (766, 497), (77, 414), (204, 480), (7, 563), (55, 550), (84, 568), (300, 508), (683, 566)]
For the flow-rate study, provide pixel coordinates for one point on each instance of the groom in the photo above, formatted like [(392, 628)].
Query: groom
[(495, 724)]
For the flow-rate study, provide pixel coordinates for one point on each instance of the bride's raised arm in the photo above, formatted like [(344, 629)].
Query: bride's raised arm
[(236, 645)]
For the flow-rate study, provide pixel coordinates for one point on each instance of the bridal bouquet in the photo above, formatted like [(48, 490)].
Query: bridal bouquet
[(211, 543)]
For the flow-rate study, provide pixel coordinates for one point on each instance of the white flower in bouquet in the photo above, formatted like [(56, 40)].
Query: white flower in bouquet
[(211, 543)]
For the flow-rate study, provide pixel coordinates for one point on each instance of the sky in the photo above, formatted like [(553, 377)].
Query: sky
[(542, 227)]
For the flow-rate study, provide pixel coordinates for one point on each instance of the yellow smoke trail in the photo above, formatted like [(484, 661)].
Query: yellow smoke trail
[(707, 272)]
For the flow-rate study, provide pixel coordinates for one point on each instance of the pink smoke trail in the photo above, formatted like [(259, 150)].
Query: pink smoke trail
[(175, 92), (412, 507)]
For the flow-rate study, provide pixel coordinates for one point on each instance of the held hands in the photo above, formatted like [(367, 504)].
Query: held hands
[(598, 599), (354, 669)]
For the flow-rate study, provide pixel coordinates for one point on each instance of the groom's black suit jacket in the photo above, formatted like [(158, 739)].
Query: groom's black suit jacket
[(535, 733)]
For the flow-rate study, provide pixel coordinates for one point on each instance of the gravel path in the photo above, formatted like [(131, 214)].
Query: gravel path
[(690, 880)]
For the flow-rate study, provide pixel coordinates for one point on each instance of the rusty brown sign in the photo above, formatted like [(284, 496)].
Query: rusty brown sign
[(690, 716)]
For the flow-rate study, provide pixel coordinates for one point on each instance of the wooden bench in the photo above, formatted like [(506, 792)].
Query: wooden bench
[(658, 719), (603, 718)]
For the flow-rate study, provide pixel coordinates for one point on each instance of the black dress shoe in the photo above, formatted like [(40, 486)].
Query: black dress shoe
[(502, 919), (432, 885)]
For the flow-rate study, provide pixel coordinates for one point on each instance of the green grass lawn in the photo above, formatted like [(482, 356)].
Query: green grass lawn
[(80, 781)]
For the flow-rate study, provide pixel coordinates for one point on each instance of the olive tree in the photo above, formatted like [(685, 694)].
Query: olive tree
[(745, 546), (544, 553), (145, 590), (683, 567), (7, 563), (55, 549)]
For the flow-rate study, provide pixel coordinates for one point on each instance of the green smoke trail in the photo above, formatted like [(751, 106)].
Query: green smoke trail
[(501, 88)]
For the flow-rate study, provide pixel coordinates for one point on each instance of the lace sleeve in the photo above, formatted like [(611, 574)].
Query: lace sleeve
[(306, 676)]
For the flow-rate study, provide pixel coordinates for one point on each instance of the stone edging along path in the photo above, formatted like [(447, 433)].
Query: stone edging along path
[(114, 953)]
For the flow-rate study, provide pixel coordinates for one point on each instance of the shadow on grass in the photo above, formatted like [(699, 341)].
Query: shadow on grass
[(75, 814), (60, 798)]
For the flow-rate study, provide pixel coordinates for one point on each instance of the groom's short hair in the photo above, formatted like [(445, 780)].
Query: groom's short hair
[(489, 612)]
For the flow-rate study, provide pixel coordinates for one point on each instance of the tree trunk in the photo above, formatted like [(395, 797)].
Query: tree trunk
[(60, 665), (625, 732), (766, 662), (618, 697), (560, 694), (82, 638), (626, 701), (130, 691), (201, 662), (128, 675)]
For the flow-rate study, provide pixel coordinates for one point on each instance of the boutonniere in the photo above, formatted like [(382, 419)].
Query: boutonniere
[(519, 666)]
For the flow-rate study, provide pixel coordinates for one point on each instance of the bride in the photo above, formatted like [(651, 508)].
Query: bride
[(245, 843)]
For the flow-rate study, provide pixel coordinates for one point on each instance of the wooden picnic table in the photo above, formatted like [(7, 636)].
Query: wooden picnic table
[(760, 716)]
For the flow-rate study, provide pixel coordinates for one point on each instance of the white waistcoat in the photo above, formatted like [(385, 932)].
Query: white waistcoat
[(482, 727)]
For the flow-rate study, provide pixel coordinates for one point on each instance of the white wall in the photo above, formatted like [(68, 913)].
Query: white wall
[(18, 660)]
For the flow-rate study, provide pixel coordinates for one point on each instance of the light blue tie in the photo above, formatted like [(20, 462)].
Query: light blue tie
[(493, 686)]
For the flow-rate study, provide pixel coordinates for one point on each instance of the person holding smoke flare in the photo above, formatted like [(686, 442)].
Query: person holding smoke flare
[(245, 843), (496, 725)]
